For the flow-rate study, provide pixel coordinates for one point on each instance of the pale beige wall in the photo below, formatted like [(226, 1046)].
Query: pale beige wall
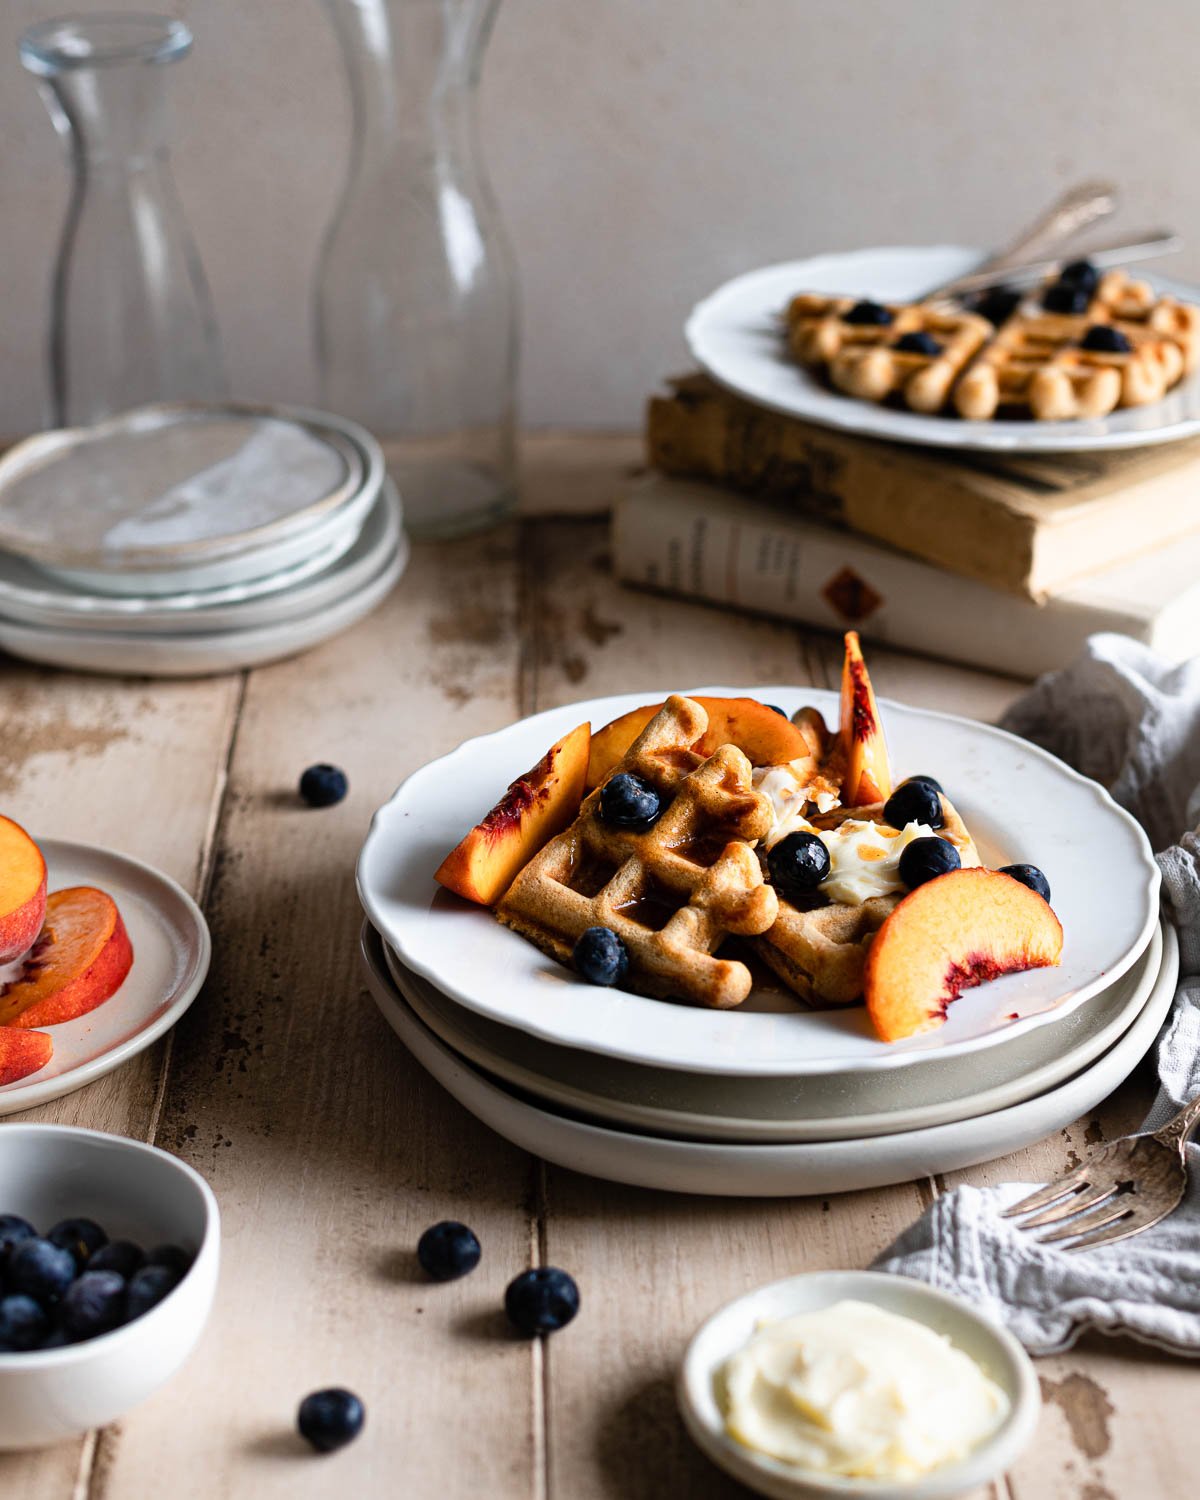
[(644, 151)]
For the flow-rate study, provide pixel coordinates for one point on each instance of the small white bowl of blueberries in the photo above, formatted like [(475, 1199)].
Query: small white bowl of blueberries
[(108, 1266)]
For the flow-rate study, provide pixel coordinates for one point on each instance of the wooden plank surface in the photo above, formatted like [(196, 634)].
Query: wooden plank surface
[(330, 1150)]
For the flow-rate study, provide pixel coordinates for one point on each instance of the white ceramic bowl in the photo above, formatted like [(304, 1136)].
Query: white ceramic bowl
[(50, 1172), (992, 1348)]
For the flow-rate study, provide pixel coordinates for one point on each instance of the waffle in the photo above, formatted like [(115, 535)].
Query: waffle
[(862, 358), (1135, 307), (673, 892), (1036, 363), (821, 952)]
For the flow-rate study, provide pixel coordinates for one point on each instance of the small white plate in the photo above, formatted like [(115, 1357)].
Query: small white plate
[(719, 1169), (29, 597), (992, 1348), (736, 334), (823, 1107), (171, 953), (201, 654), (1021, 804)]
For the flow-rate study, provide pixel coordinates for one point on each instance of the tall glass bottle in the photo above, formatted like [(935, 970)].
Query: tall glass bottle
[(416, 308), (131, 318)]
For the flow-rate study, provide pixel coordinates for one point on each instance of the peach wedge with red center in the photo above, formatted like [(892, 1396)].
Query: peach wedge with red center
[(861, 746), (79, 961), (954, 932), (536, 806), (22, 1053), (22, 891), (765, 737)]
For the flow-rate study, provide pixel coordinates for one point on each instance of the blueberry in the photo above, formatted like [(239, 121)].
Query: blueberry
[(600, 957), (798, 864), (94, 1303), (1031, 876), (998, 304), (918, 343), (1101, 338), (174, 1257), (1066, 297), (330, 1419), (82, 1237), (929, 781), (147, 1288), (55, 1339), (12, 1229), (23, 1322), (121, 1256), (775, 709), (448, 1250), (541, 1301), (629, 802), (870, 314), (914, 802), (323, 785), (40, 1270), (1080, 273), (926, 859)]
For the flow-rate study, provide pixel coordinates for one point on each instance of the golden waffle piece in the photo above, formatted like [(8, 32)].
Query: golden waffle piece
[(821, 953), (671, 893), (868, 360), (1133, 305), (1037, 362)]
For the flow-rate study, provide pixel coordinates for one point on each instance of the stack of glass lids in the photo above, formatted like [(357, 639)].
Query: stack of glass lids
[(186, 539)]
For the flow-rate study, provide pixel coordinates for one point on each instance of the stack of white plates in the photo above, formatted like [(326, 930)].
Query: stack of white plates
[(187, 539), (773, 1098)]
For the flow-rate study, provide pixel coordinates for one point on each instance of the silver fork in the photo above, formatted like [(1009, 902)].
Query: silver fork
[(1118, 1191)]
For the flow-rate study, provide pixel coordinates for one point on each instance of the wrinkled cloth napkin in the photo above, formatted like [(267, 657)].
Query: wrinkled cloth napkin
[(1123, 716)]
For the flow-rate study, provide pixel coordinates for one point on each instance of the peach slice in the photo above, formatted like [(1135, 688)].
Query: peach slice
[(763, 736), (536, 806), (868, 772), (954, 932), (22, 1053), (79, 961), (22, 891)]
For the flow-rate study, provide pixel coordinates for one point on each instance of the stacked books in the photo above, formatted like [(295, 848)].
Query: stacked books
[(1000, 561)]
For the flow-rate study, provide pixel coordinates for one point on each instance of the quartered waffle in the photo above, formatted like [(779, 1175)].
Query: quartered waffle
[(821, 952), (673, 892), (1038, 363), (876, 360)]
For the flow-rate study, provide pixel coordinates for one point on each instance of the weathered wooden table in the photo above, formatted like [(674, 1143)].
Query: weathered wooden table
[(330, 1150)]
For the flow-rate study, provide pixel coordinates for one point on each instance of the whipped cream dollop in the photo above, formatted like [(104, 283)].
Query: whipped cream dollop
[(864, 859), (858, 1391), (792, 794)]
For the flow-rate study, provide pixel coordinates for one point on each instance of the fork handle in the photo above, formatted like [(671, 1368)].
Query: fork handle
[(1175, 1132)]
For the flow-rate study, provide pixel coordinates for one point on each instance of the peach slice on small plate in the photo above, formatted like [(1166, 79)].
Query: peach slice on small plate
[(79, 961), (22, 891)]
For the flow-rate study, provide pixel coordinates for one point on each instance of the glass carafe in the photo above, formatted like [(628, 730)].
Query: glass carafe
[(131, 317), (416, 317)]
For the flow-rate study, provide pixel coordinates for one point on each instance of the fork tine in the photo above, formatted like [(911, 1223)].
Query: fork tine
[(1090, 1197), (1136, 1220), (1109, 1213), (1044, 1197)]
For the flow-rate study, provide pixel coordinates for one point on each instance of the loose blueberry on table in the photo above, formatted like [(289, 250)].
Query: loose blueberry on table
[(330, 1419), (541, 1301), (600, 957), (914, 801), (926, 859), (74, 1283), (1031, 876), (322, 785), (448, 1250)]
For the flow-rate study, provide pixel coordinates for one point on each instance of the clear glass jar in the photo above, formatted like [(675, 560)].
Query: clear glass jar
[(416, 304), (131, 317)]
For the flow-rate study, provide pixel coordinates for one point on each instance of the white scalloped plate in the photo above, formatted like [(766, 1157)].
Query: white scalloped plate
[(1020, 803), (735, 333)]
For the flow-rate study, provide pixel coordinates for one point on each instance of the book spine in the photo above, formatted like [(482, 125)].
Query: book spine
[(696, 541)]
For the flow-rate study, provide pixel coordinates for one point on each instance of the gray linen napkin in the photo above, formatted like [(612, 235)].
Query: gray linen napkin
[(1124, 717)]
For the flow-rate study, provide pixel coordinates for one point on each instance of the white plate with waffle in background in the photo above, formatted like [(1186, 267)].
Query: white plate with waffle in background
[(1020, 804), (739, 335)]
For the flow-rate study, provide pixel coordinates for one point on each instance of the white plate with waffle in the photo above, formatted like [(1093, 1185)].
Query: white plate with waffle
[(737, 335), (1021, 805)]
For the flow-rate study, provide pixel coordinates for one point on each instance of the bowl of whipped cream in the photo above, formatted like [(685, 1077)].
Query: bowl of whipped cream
[(856, 1384)]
